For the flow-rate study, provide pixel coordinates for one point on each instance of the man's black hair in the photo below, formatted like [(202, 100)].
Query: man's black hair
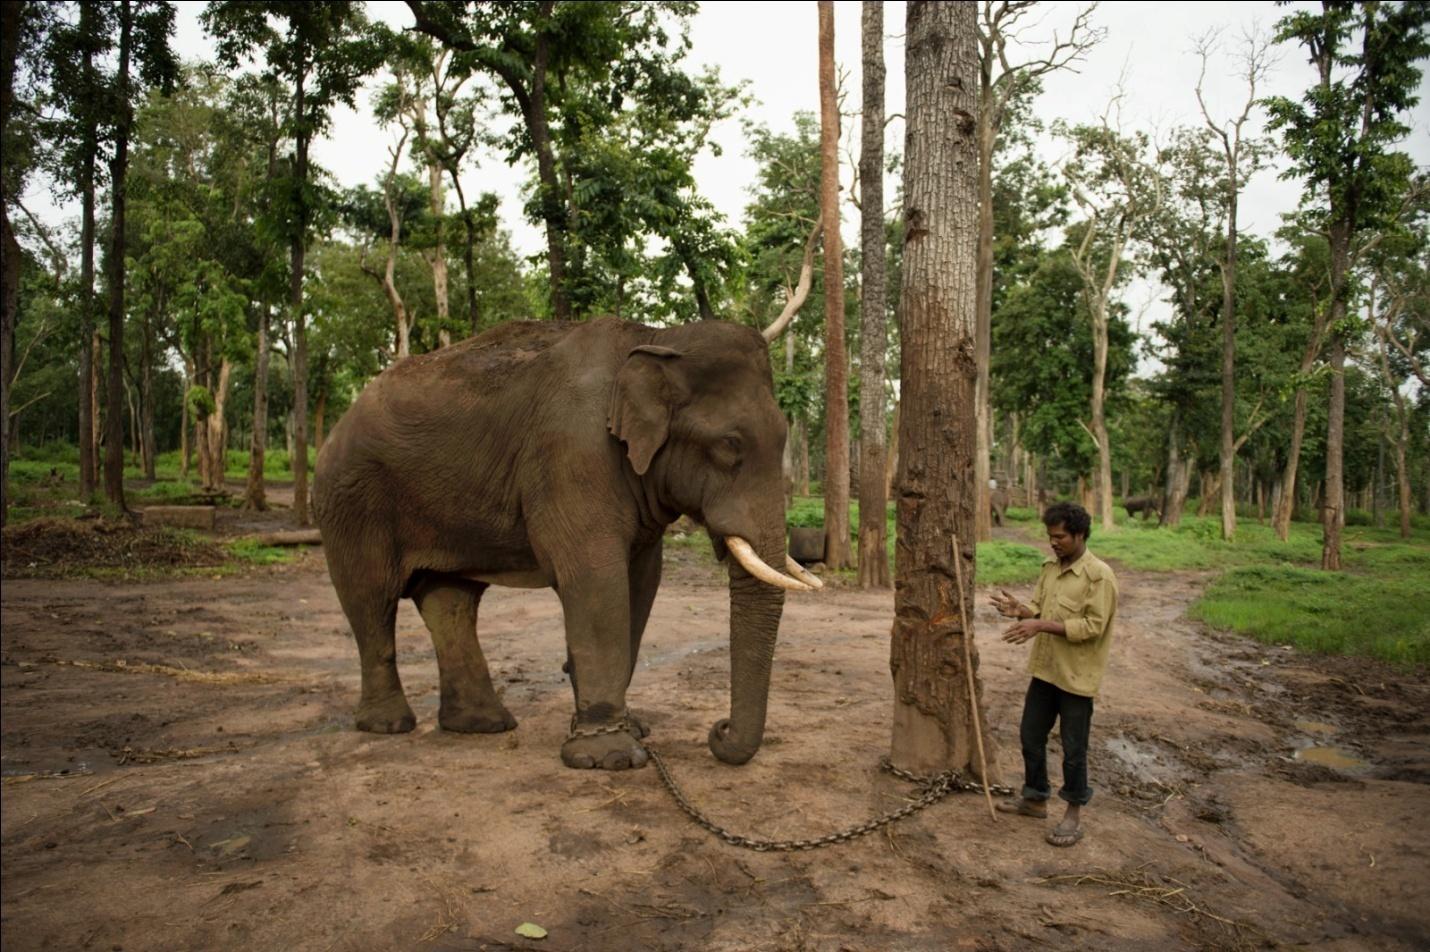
[(1070, 516)]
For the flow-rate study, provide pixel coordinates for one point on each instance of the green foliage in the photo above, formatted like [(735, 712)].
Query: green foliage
[(1380, 616)]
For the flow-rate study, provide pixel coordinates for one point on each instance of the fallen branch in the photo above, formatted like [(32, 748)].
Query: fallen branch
[(287, 537)]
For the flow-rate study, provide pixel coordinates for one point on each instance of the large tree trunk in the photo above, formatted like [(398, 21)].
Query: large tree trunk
[(873, 529), (118, 173), (891, 460), (297, 252), (837, 553), (936, 496), (255, 493)]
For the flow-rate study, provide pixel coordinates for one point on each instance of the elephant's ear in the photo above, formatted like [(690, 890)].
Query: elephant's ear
[(642, 402)]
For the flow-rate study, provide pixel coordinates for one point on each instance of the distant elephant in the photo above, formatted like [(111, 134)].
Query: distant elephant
[(998, 501), (546, 454), (1144, 505)]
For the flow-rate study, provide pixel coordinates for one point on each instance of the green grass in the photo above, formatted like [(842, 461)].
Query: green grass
[(253, 553), (1378, 616)]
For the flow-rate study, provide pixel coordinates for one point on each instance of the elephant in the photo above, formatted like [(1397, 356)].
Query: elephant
[(1144, 505), (554, 454), (998, 501)]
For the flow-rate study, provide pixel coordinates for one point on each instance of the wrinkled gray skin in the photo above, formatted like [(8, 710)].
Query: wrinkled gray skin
[(549, 454), (1143, 504), (998, 500)]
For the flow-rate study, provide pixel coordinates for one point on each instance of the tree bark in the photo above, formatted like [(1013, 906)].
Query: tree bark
[(1099, 422), (1281, 519), (1333, 516), (255, 493), (1228, 372), (873, 529), (987, 133), (837, 553), (320, 409), (215, 436), (936, 497), (118, 172)]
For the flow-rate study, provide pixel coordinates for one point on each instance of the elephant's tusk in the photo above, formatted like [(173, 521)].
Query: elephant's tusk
[(761, 570), (803, 574)]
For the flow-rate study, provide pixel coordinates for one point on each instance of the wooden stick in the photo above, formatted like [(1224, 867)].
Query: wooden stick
[(968, 669)]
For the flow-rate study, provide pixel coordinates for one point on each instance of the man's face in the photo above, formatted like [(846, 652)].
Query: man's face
[(1063, 543)]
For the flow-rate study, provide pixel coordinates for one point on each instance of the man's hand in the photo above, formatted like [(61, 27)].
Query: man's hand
[(1022, 631), (1010, 607)]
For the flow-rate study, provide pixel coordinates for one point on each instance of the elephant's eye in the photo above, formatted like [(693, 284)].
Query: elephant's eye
[(728, 451)]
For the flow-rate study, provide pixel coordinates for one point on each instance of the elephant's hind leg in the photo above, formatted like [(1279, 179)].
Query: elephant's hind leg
[(383, 708), (469, 702)]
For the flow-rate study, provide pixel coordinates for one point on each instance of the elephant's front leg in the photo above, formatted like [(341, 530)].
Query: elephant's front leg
[(596, 603)]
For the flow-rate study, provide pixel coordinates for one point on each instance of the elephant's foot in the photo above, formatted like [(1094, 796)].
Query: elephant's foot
[(616, 751), (637, 725), (391, 715), (489, 719)]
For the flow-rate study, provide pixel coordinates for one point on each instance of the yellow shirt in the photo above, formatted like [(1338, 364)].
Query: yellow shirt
[(1083, 596)]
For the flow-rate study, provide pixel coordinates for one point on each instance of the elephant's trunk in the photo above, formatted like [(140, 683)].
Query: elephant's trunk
[(755, 609)]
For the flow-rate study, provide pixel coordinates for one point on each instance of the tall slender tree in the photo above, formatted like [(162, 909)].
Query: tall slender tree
[(1242, 156), (1114, 185), (933, 728), (1339, 139), (873, 299), (836, 364)]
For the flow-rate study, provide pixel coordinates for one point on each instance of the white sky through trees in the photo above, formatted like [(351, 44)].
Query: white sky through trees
[(773, 46)]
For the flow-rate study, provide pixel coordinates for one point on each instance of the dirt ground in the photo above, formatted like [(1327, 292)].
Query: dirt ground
[(180, 772)]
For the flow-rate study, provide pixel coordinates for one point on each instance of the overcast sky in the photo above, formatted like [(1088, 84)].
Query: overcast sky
[(773, 46)]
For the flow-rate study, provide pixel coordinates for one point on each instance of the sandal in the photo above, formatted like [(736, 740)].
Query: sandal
[(1064, 839)]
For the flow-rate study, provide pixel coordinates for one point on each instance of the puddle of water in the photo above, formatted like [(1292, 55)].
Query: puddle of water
[(1329, 757), (1316, 727)]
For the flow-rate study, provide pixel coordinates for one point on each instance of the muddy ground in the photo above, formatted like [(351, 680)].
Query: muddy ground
[(181, 773)]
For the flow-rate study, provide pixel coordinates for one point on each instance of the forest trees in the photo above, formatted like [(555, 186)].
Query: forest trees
[(1113, 182), (1002, 83), (933, 727), (1340, 139), (322, 53)]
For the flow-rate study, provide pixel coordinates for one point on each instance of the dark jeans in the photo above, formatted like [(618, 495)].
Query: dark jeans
[(1073, 712)]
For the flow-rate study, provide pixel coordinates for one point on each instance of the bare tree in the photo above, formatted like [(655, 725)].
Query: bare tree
[(837, 553), (933, 726), (1118, 191), (1001, 23), (1243, 157), (873, 499)]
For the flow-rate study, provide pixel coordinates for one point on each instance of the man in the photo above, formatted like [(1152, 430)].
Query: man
[(1071, 619)]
